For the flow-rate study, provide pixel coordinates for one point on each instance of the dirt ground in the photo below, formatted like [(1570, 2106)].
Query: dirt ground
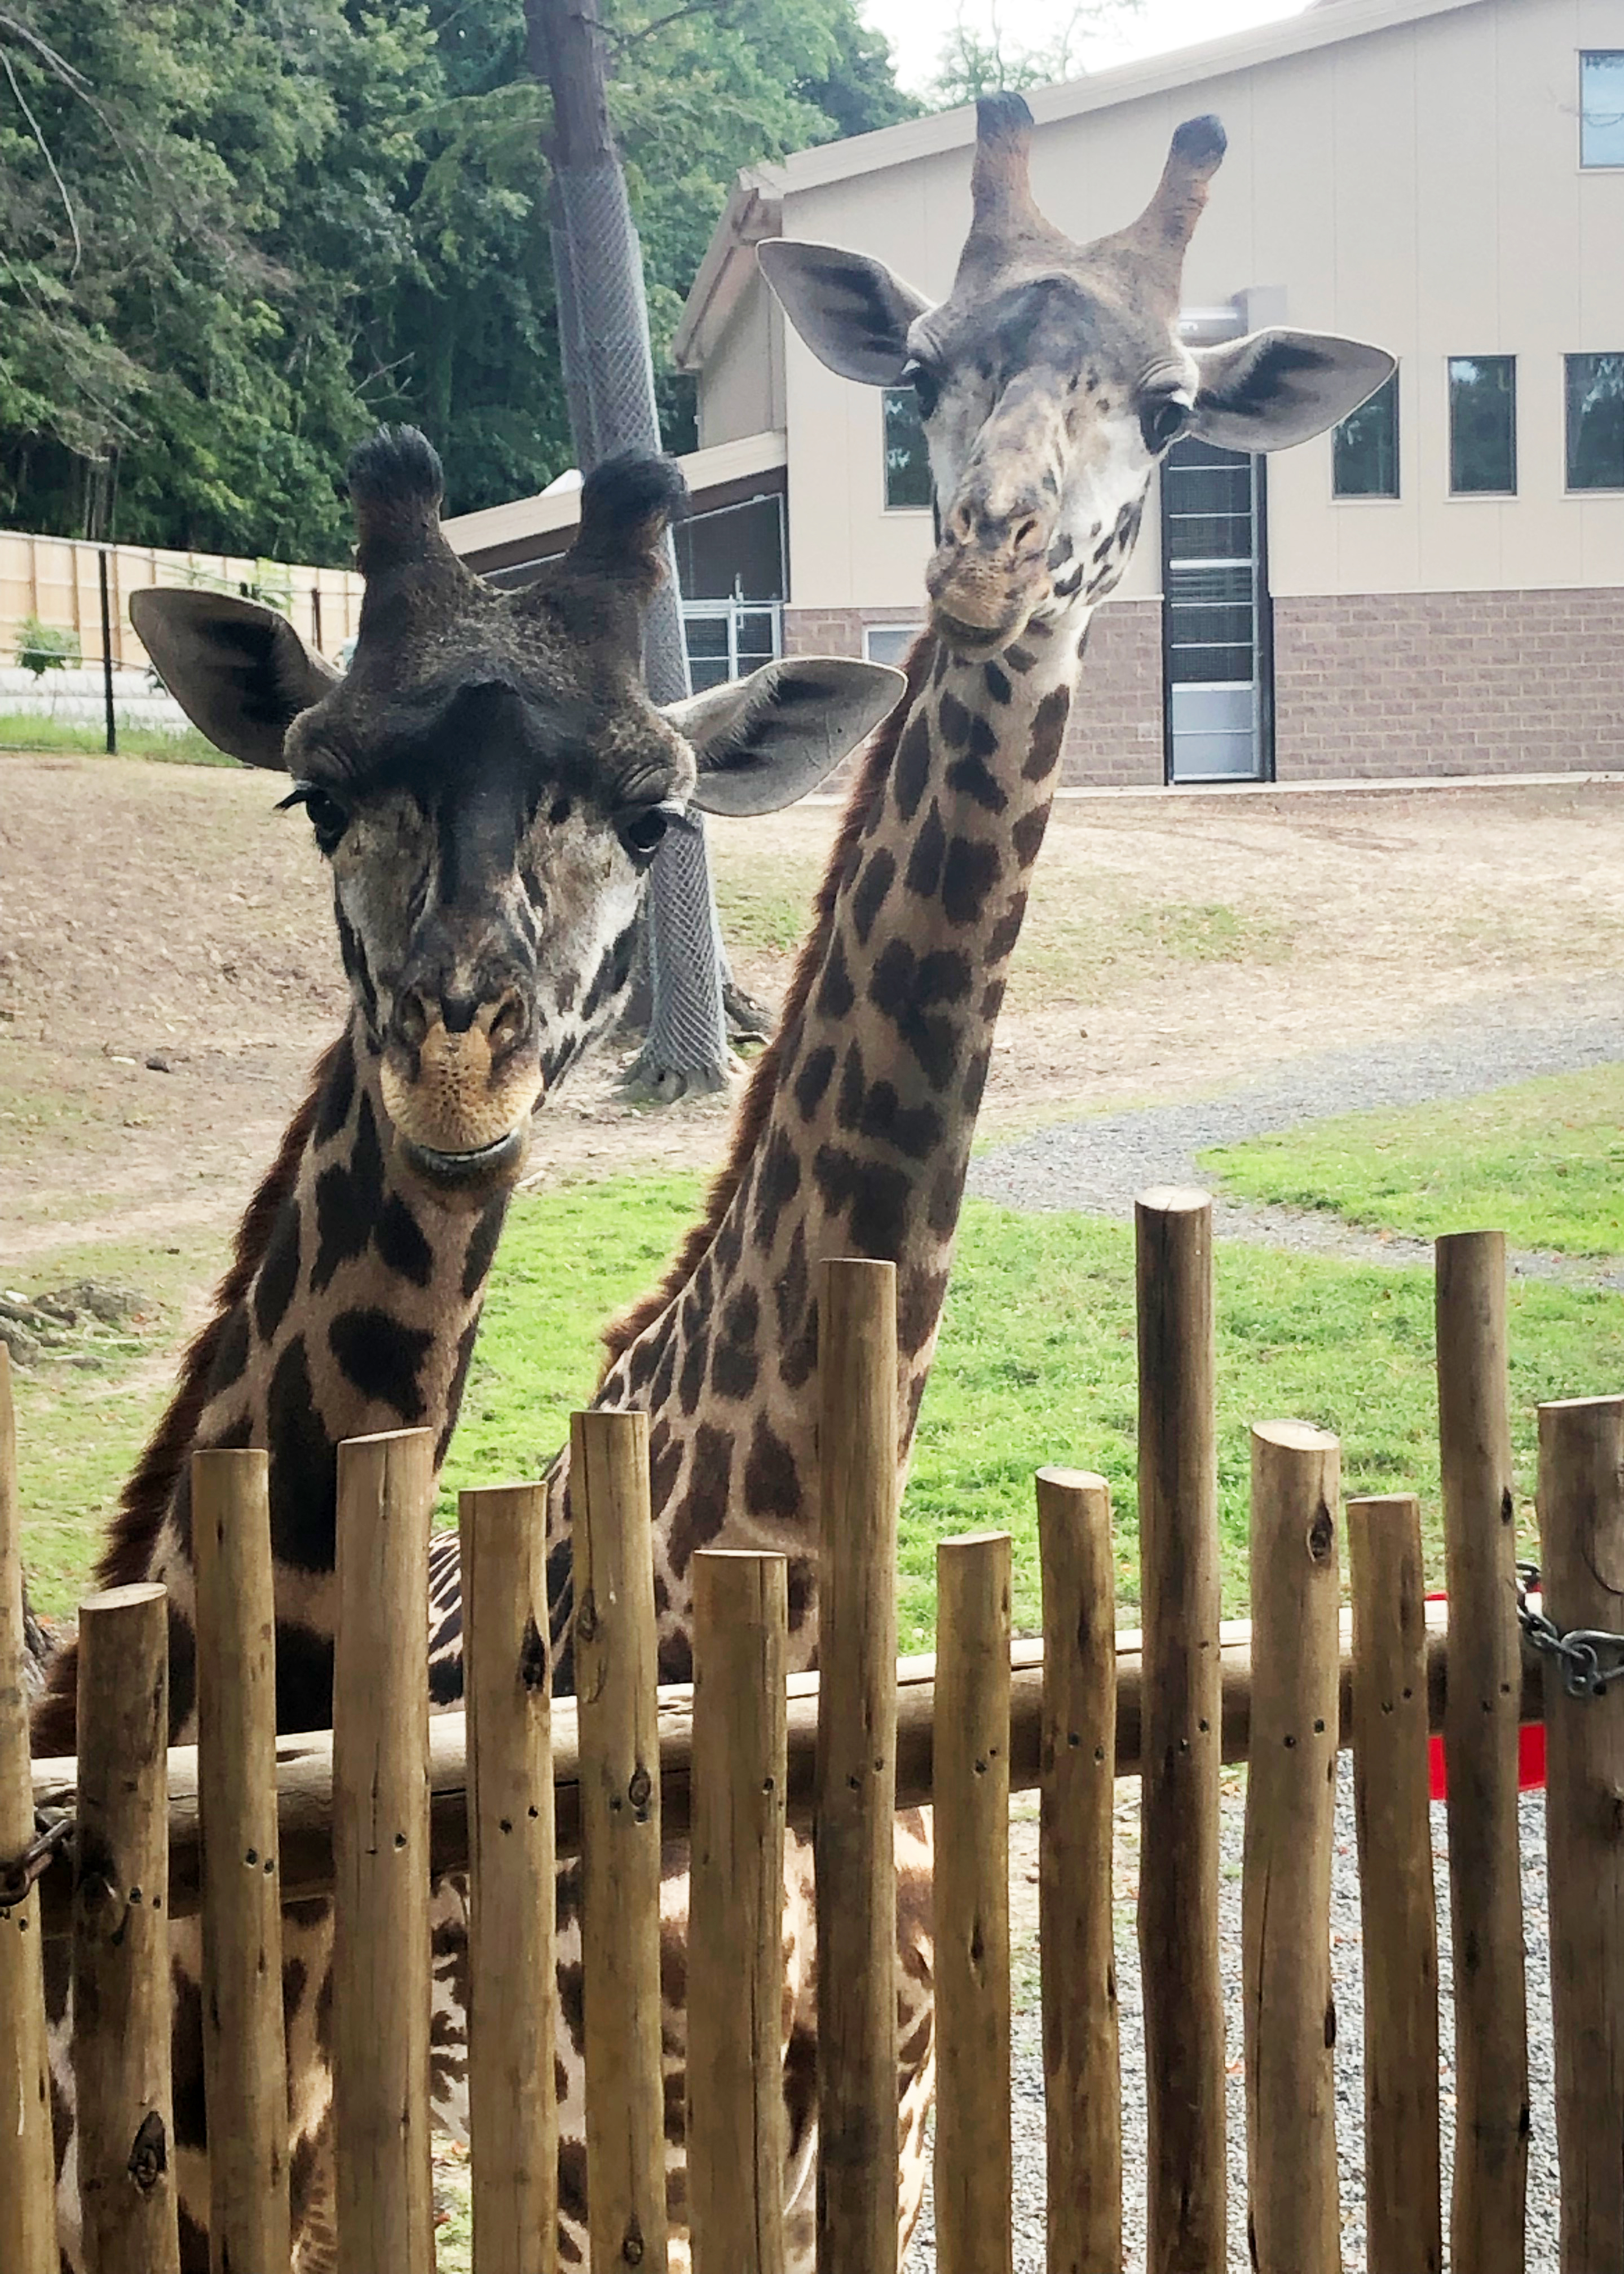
[(168, 969)]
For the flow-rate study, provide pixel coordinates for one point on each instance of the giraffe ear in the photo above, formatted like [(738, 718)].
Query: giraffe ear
[(1276, 388), (765, 741), (240, 672), (851, 312)]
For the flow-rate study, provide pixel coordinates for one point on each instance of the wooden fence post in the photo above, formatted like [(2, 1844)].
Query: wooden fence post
[(513, 2004), (616, 1681), (1294, 2219), (244, 2054), (1581, 1560), (382, 1979), (28, 2198), (974, 2162), (1182, 1735), (125, 2124), (1403, 2202), (1480, 1749), (735, 1953), (856, 1777), (1082, 2073)]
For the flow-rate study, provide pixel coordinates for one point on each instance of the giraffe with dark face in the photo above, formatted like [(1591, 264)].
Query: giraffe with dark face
[(488, 784)]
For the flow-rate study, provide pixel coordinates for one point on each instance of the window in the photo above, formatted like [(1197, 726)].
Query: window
[(1365, 448), (1482, 425), (1596, 422), (908, 461), (1601, 107), (889, 642)]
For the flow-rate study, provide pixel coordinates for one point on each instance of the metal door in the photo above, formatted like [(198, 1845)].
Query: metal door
[(1214, 616)]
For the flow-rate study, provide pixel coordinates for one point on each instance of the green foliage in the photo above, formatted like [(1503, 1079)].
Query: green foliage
[(46, 647), (1543, 1161), (235, 233)]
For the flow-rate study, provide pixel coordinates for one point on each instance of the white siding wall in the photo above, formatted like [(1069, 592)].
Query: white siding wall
[(1418, 185)]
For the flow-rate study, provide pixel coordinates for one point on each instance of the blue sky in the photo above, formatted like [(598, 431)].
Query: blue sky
[(918, 28)]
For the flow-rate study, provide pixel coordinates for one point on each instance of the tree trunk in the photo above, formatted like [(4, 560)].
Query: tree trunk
[(609, 381)]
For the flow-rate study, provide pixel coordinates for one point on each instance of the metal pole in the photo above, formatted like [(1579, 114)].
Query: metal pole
[(609, 382), (107, 653)]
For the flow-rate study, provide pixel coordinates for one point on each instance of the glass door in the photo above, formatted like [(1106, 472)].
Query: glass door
[(1214, 616)]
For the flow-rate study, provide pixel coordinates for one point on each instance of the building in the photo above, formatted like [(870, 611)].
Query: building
[(1437, 588)]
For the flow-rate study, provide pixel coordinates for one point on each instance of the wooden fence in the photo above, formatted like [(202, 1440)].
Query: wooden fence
[(56, 581), (390, 1797)]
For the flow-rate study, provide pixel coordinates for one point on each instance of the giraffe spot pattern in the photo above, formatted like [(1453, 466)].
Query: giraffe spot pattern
[(971, 869), (873, 1196), (954, 721), (279, 1274), (232, 1348), (879, 875), (907, 988), (303, 1482), (1027, 837), (771, 1487), (381, 1358), (912, 770), (972, 777), (812, 1079), (401, 1245), (303, 1677), (348, 1199), (997, 682), (482, 1240), (923, 874), (337, 1095), (1048, 732), (733, 1362), (777, 1184), (455, 1387), (835, 995)]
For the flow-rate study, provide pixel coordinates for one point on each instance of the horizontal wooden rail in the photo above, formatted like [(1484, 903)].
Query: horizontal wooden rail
[(304, 1769)]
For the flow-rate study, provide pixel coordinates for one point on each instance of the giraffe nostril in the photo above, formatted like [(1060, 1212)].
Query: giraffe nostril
[(412, 1018), (508, 1026), (1025, 534)]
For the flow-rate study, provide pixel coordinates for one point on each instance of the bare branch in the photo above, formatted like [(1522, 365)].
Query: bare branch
[(621, 40), (62, 187)]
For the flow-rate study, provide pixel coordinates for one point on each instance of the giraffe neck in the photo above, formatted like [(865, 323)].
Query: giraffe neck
[(352, 1308), (857, 1138)]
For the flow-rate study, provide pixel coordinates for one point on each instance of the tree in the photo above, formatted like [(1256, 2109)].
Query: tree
[(980, 57), (236, 233)]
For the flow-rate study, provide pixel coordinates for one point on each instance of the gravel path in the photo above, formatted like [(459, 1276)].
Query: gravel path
[(1347, 1963), (1100, 1163)]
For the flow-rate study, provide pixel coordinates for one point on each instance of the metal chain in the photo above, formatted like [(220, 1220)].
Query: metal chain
[(1580, 1653), (54, 1828)]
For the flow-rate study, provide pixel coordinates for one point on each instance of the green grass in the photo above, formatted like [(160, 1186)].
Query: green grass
[(1545, 1161), (20, 731), (1036, 1364)]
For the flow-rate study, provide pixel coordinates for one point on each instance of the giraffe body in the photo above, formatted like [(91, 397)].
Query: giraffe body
[(485, 939)]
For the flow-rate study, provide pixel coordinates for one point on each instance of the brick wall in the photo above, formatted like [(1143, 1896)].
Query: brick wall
[(1449, 683), (1115, 733)]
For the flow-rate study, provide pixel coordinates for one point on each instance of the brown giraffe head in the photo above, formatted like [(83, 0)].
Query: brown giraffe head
[(489, 782), (1052, 379)]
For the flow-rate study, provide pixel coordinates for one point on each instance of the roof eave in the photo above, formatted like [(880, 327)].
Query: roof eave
[(755, 210)]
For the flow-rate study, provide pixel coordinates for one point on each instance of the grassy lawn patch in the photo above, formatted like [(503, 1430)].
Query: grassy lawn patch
[(1036, 1364), (1544, 1160), (21, 730)]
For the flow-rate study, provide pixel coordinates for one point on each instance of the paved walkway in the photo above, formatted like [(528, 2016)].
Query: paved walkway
[(1100, 1163)]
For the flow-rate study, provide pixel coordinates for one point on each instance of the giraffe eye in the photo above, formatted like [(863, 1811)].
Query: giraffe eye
[(327, 817), (643, 833), (926, 385), (1162, 421)]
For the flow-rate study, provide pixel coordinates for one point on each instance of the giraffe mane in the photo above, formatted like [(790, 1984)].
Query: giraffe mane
[(144, 1500), (873, 771)]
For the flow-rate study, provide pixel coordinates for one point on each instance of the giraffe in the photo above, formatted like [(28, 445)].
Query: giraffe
[(1051, 382), (488, 784)]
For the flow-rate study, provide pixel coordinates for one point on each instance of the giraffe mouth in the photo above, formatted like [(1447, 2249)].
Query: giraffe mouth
[(975, 639), (476, 1166)]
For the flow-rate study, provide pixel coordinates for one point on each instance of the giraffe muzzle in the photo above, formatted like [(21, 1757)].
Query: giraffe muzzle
[(459, 1099)]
